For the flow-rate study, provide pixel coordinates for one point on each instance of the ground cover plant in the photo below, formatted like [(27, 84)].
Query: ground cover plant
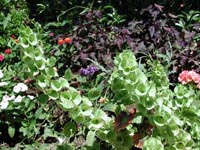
[(91, 76)]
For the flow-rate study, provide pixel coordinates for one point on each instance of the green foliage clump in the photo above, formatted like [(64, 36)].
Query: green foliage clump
[(170, 112)]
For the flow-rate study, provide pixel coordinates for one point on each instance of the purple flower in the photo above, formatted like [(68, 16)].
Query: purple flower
[(91, 70), (84, 72), (183, 43)]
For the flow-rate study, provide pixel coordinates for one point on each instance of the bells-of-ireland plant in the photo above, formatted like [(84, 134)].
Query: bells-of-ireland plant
[(173, 114), (80, 108)]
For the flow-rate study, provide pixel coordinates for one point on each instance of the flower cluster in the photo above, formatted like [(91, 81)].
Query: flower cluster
[(20, 87), (66, 40), (189, 76), (5, 101), (91, 70), (6, 98)]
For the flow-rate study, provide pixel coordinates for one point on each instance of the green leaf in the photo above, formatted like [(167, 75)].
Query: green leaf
[(32, 39), (90, 138), (85, 110), (29, 53), (133, 77), (96, 123), (138, 119), (65, 147), (111, 135), (76, 98), (6, 20), (38, 112), (50, 72), (53, 94), (189, 113), (24, 42), (101, 114), (68, 74), (109, 107), (180, 145), (149, 103), (141, 89), (64, 82), (153, 144), (40, 64), (66, 100), (70, 129), (41, 81), (51, 61), (11, 131), (56, 85), (159, 120), (117, 84), (94, 94)]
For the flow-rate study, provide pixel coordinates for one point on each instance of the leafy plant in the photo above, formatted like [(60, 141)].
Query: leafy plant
[(188, 19), (164, 109)]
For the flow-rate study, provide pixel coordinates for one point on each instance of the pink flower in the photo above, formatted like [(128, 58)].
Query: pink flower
[(183, 77), (182, 5), (1, 57), (51, 34), (195, 76), (189, 76), (7, 51)]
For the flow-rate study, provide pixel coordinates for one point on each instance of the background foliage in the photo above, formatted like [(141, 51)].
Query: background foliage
[(98, 74)]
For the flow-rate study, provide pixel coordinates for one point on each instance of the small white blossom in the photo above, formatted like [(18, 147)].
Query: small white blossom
[(20, 87), (1, 74), (18, 99), (23, 87), (16, 89), (3, 84), (7, 98), (31, 97), (4, 104)]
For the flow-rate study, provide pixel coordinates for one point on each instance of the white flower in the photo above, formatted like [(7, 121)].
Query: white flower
[(23, 87), (3, 84), (5, 101), (1, 74), (16, 89), (7, 98), (20, 87), (18, 99), (31, 97), (4, 104)]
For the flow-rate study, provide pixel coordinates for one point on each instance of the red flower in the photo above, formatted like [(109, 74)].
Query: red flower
[(68, 40), (61, 41), (7, 51), (1, 57)]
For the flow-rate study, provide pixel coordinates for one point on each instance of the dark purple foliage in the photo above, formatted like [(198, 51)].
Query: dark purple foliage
[(153, 33)]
